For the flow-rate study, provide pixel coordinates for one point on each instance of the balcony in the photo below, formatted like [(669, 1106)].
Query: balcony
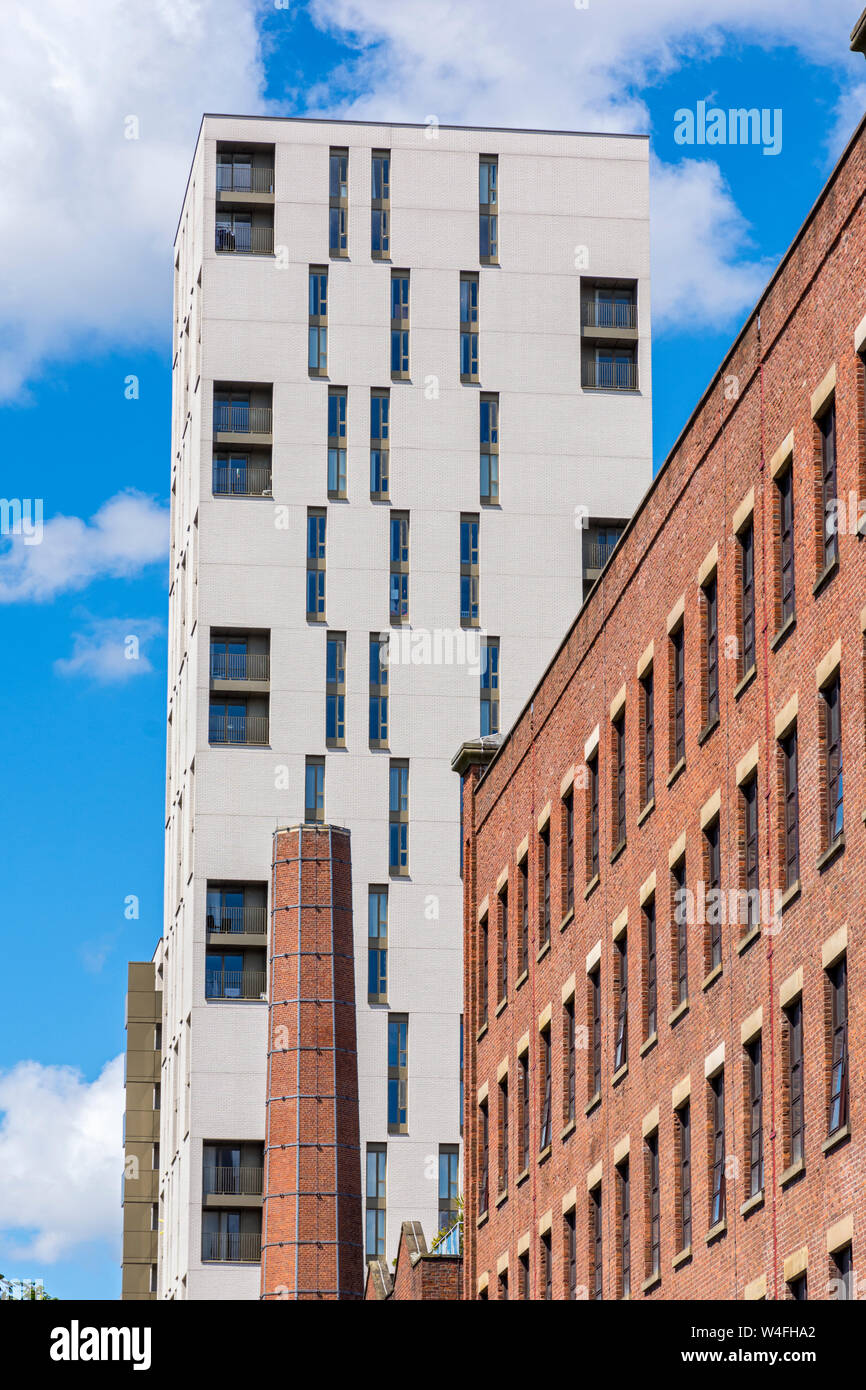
[(235, 1247), (609, 376), (249, 920), (243, 178), (240, 666), (239, 417), (610, 313), (241, 729), (597, 553), (241, 479), (235, 984), (242, 1181), (242, 239)]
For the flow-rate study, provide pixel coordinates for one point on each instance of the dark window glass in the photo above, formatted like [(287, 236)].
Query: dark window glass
[(747, 596), (838, 984)]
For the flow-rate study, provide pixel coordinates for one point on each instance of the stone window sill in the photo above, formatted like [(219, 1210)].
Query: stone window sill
[(745, 681), (503, 1004), (787, 626), (647, 811), (591, 886), (825, 859), (683, 1257), (543, 950), (792, 1172), (752, 1204), (618, 851), (521, 1177), (709, 728), (649, 1044), (568, 1130), (790, 894), (481, 1031), (712, 977), (521, 979), (825, 576), (591, 1104), (718, 1230), (745, 941), (651, 1283), (567, 919), (676, 771), (679, 1012), (839, 1137), (619, 1074)]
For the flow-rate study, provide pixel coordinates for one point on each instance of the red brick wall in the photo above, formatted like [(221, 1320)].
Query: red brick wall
[(803, 327)]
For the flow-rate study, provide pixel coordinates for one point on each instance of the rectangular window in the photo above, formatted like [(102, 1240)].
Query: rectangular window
[(790, 791), (399, 595), (315, 565), (570, 1244), (567, 857), (749, 813), (545, 1134), (717, 1148), (469, 570), (449, 1191), (684, 1174), (650, 970), (314, 790), (837, 985), (483, 970), (620, 960), (546, 1256), (594, 985), (523, 942), (523, 1287), (335, 690), (378, 690), (398, 817), (595, 1244), (746, 539), (398, 1074), (623, 1199), (792, 1038), (755, 1116), (503, 942), (544, 887), (488, 209), (678, 697), (337, 398), (338, 203), (570, 1062), (523, 1109), (483, 1158), (619, 781), (679, 935), (380, 444), (798, 1288), (377, 944), (503, 1135), (831, 721), (489, 686), (592, 819), (399, 325), (490, 449), (712, 853), (647, 695), (377, 1160), (829, 501), (842, 1272), (469, 326), (317, 357), (380, 205), (711, 650), (785, 491), (653, 1209)]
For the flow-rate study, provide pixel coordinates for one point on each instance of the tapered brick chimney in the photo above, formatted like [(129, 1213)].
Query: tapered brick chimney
[(311, 1227)]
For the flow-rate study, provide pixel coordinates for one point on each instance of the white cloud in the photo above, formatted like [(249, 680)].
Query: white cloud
[(87, 217), (60, 1156), (111, 650), (126, 534)]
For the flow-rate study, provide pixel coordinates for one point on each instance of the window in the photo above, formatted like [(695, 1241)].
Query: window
[(460, 1102), (449, 1197), (544, 887), (595, 1246), (749, 813), (623, 1201), (489, 685), (842, 1271), (679, 905), (523, 1287), (335, 690), (791, 823), (712, 859), (717, 1148), (837, 985), (792, 1043), (380, 205), (378, 690), (570, 1243), (620, 961), (483, 970), (337, 441), (647, 713), (315, 565), (398, 816), (592, 819), (503, 942), (683, 1122), (653, 1214), (567, 867), (831, 730), (503, 1285), (488, 206), (545, 1128), (468, 326), (377, 1159), (399, 598), (594, 991), (338, 203), (317, 359), (377, 945), (503, 1134), (380, 444), (650, 970), (755, 1117), (711, 650), (746, 539), (469, 570), (798, 1288), (490, 449), (523, 1110), (546, 1255), (785, 503), (829, 532), (400, 325), (523, 941), (570, 1062), (678, 697), (484, 1158), (619, 781), (398, 1073), (314, 789)]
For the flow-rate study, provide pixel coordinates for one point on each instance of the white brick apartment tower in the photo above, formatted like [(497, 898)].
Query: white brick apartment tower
[(408, 364)]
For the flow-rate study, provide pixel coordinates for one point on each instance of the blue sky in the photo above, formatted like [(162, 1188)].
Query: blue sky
[(87, 288)]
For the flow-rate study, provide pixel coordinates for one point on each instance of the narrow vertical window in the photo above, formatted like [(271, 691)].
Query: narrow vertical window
[(594, 989), (317, 357), (503, 943), (400, 325), (712, 858), (755, 1116), (488, 210), (503, 1135), (489, 449), (746, 539), (679, 935), (449, 1195), (380, 205), (570, 1244), (749, 813), (653, 1209), (648, 738), (398, 816), (377, 1158), (678, 697), (468, 570), (546, 1254), (837, 984), (618, 781), (378, 728), (483, 970), (829, 498), (842, 1270), (523, 1285), (380, 444), (650, 970), (623, 1198), (791, 824), (570, 1062), (338, 203), (792, 1038), (523, 940), (314, 789), (335, 690), (483, 1158), (831, 722), (398, 1074), (315, 565), (489, 686), (545, 1079), (620, 1055), (717, 1148), (711, 650), (544, 887), (785, 491), (684, 1174), (469, 326), (377, 945), (399, 595), (567, 866), (592, 819), (523, 1106), (595, 1244)]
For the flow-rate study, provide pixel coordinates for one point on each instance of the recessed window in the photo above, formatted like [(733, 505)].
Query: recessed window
[(335, 688), (544, 886), (755, 1117), (469, 570), (502, 910), (653, 1205), (377, 944), (650, 969), (377, 1163), (317, 355), (380, 444), (647, 696), (469, 326), (338, 203), (595, 1244), (399, 578), (378, 725), (400, 325), (523, 909), (489, 686), (623, 1202), (680, 940), (449, 1175), (831, 730), (711, 649), (682, 1119), (746, 541), (618, 783), (314, 790), (792, 1043), (337, 398), (837, 1050), (790, 791), (545, 1081), (829, 535), (380, 205), (489, 411), (488, 209), (398, 812), (503, 1134), (483, 1158), (717, 1148), (678, 696), (592, 861), (398, 1074), (620, 985), (315, 565), (785, 512), (713, 871)]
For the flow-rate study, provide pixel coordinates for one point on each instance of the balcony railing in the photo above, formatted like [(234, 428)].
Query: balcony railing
[(233, 1182), (252, 920), (238, 728), (238, 417), (240, 666), (240, 1247), (256, 241), (450, 1242), (231, 480), (610, 376), (607, 314), (244, 178), (597, 553), (235, 984)]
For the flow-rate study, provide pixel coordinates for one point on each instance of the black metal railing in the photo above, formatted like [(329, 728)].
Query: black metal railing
[(607, 314), (240, 666), (256, 241), (240, 1247), (242, 1181), (238, 728), (597, 553), (235, 984), (610, 376), (249, 919), (238, 417), (244, 178), (232, 480)]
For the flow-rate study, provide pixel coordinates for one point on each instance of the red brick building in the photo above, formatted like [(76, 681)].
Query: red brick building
[(419, 1275), (665, 867)]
